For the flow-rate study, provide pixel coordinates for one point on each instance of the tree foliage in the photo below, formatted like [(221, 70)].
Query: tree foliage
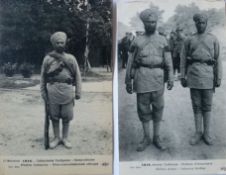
[(26, 26), (183, 17)]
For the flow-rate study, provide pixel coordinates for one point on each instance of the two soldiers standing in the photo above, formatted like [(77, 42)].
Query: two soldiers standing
[(150, 66)]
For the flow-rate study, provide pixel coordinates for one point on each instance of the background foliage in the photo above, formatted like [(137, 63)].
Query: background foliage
[(183, 16), (26, 26)]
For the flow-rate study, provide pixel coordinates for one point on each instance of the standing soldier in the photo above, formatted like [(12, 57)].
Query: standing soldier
[(172, 39), (177, 47), (124, 48), (149, 58), (201, 71), (59, 76)]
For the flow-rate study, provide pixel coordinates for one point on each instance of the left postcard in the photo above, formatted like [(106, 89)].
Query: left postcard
[(56, 87)]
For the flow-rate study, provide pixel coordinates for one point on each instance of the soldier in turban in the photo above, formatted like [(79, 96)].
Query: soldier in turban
[(149, 62), (176, 50), (60, 84), (201, 71)]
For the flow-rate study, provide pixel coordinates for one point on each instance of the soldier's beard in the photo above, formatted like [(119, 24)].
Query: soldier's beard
[(60, 49), (201, 30), (150, 30)]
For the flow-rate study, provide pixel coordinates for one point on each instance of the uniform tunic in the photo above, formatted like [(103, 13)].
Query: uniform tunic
[(148, 78), (60, 93), (151, 49), (200, 47)]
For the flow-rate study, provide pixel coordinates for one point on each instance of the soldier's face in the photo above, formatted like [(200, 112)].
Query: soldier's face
[(150, 26), (59, 45), (201, 26)]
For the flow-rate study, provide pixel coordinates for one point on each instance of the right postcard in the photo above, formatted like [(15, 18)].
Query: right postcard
[(171, 57)]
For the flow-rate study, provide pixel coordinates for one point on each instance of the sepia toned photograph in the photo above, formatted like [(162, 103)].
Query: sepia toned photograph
[(171, 79), (56, 80)]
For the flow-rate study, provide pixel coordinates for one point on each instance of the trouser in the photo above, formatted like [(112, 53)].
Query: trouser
[(176, 64), (202, 104), (64, 111), (201, 100), (150, 105), (58, 111)]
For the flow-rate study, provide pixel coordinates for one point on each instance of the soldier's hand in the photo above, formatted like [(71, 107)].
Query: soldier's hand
[(218, 83), (183, 82), (170, 85), (129, 88), (77, 97)]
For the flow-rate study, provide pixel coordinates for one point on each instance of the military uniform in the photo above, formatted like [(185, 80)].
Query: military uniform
[(198, 53), (149, 77), (176, 50), (201, 71), (149, 58), (60, 84), (124, 46)]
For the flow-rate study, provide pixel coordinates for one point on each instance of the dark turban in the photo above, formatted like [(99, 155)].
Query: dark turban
[(199, 17), (148, 15)]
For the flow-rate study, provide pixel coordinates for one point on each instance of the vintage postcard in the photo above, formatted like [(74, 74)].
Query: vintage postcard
[(56, 87), (171, 87)]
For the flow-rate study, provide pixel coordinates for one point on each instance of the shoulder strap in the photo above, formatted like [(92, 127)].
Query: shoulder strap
[(63, 59), (201, 42), (145, 43), (207, 48)]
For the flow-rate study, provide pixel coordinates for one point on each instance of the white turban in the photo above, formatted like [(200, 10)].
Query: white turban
[(58, 36)]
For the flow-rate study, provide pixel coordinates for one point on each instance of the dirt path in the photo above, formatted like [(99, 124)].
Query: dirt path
[(176, 129), (22, 121)]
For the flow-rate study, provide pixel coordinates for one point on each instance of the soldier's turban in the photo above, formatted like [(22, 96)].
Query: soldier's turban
[(148, 15), (58, 36), (199, 17)]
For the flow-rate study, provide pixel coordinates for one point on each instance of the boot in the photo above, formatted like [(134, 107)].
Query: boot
[(65, 140), (56, 131), (156, 138), (206, 122), (143, 145), (146, 140), (198, 127)]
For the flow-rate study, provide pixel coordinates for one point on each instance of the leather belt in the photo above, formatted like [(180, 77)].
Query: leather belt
[(153, 66), (53, 80), (208, 62)]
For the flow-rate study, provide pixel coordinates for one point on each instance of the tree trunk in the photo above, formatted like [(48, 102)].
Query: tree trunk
[(87, 65)]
